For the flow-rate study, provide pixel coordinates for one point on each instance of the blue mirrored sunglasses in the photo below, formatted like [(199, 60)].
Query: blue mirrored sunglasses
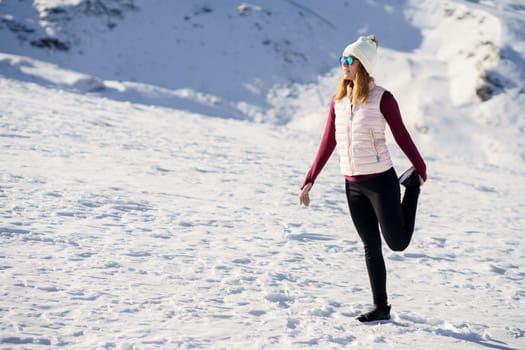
[(348, 60)]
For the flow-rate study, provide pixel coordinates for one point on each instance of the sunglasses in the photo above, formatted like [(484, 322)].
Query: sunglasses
[(348, 60)]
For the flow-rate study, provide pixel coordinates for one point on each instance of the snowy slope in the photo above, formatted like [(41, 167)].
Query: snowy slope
[(453, 62), (141, 207), (232, 50), (130, 227), (461, 92)]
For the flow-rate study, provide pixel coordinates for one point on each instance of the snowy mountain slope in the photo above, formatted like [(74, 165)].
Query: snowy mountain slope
[(132, 219), (127, 226), (457, 63), (78, 25), (463, 59), (196, 45)]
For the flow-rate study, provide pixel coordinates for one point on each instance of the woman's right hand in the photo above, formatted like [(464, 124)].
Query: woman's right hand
[(304, 196)]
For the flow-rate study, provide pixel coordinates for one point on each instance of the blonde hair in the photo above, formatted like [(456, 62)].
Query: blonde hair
[(361, 87)]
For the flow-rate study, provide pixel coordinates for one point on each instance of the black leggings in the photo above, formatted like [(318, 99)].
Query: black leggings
[(376, 203)]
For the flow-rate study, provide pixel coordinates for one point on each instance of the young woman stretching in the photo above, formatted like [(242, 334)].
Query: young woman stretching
[(356, 126)]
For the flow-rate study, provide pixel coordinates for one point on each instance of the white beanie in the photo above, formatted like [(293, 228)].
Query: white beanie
[(365, 50)]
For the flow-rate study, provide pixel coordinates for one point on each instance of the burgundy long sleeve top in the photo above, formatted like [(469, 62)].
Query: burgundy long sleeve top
[(390, 110)]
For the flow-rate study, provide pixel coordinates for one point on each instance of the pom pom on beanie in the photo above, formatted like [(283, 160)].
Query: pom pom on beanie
[(365, 50)]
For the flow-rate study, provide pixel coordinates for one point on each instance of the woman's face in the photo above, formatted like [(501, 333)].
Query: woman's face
[(349, 70)]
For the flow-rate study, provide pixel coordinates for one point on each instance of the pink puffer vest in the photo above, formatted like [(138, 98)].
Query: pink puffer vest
[(360, 135)]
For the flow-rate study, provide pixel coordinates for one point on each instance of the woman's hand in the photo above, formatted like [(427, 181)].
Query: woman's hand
[(304, 196)]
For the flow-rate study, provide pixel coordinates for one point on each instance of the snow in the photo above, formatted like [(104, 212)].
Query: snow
[(147, 205)]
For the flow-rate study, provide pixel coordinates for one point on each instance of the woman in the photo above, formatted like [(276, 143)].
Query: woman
[(356, 125)]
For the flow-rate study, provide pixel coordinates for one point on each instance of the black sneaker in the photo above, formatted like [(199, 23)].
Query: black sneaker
[(410, 178), (379, 313)]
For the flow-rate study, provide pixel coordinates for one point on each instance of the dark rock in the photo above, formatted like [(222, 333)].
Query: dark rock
[(50, 43)]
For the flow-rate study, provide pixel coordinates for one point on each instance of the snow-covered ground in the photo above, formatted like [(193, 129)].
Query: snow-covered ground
[(146, 205), (125, 226)]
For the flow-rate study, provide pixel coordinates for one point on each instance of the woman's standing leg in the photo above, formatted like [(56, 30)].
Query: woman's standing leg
[(365, 221)]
